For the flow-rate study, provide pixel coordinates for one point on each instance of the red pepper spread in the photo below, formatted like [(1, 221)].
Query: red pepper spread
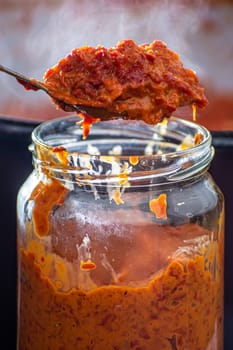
[(178, 309), (146, 82)]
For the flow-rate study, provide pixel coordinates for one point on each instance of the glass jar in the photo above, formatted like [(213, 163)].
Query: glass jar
[(120, 239)]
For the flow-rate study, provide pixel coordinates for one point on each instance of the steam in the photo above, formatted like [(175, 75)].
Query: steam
[(32, 40)]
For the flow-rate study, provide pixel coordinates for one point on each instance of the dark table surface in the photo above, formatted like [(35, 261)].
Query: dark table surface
[(16, 164)]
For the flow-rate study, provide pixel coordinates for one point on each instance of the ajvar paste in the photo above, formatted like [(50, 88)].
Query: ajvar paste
[(179, 309), (146, 82)]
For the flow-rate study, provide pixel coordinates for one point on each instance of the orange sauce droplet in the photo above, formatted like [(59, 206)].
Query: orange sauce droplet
[(123, 179), (87, 265), (197, 138), (86, 123), (158, 206), (194, 107), (133, 160), (117, 197), (62, 154)]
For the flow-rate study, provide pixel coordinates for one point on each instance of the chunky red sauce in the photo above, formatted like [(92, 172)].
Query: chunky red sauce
[(145, 82), (178, 308)]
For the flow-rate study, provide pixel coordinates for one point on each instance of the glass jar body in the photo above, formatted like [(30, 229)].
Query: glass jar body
[(143, 270)]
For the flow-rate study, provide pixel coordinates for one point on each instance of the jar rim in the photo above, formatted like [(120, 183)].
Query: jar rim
[(168, 151)]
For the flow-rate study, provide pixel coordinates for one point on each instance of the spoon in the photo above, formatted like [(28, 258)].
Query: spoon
[(34, 84)]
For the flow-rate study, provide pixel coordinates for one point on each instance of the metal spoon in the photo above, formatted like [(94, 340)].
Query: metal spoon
[(34, 84)]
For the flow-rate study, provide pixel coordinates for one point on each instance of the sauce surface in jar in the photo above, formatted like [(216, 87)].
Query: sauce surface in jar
[(177, 309)]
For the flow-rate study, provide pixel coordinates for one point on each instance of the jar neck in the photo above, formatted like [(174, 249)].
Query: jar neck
[(119, 153)]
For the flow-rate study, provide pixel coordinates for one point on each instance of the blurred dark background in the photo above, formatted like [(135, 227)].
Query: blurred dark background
[(34, 35)]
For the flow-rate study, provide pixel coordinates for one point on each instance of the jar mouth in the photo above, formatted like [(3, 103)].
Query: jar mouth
[(119, 149)]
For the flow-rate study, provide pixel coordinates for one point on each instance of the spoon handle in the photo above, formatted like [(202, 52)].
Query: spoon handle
[(29, 83), (34, 84)]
